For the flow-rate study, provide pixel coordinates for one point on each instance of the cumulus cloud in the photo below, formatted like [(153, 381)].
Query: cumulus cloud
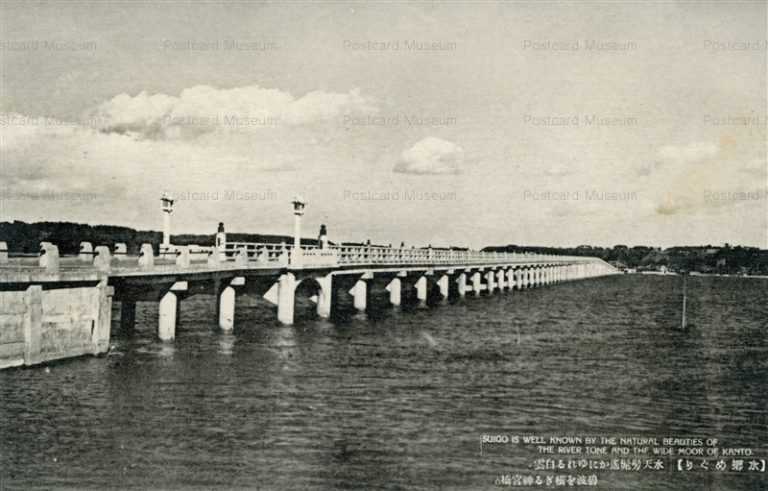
[(431, 156), (204, 109)]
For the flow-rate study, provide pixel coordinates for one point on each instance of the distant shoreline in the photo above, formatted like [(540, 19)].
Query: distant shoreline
[(695, 273)]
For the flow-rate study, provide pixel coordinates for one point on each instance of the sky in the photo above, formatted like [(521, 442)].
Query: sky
[(454, 123)]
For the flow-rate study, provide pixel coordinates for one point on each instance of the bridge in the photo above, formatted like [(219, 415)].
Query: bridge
[(54, 306)]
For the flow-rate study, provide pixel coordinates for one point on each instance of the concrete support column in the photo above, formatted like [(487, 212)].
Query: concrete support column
[(226, 305), (127, 315), (500, 277), (360, 294), (461, 280), (395, 292), (325, 296), (489, 278), (476, 283), (442, 284), (286, 298), (227, 308), (169, 307), (511, 279), (421, 290)]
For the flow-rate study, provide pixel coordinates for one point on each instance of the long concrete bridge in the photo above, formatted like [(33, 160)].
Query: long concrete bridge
[(55, 307)]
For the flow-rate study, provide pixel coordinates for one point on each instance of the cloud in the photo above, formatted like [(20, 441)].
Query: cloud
[(702, 178), (431, 156), (691, 153), (204, 109)]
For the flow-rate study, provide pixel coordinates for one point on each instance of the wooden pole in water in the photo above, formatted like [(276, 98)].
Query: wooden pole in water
[(684, 300)]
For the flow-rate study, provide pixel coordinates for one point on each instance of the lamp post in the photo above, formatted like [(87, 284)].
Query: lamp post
[(167, 208), (298, 210)]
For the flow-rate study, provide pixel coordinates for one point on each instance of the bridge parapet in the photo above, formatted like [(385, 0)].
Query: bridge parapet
[(254, 255)]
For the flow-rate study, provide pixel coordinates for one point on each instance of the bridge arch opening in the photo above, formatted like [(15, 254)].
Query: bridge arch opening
[(308, 293)]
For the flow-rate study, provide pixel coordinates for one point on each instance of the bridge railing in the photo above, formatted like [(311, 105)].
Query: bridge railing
[(351, 255), (391, 255), (254, 255)]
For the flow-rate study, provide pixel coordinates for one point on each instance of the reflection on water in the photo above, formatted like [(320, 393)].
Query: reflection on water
[(398, 400)]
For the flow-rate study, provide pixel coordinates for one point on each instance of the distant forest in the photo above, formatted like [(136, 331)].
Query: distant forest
[(26, 237), (725, 259)]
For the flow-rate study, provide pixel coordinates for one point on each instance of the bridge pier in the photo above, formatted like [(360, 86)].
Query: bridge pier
[(325, 296), (286, 298), (226, 303), (360, 294), (169, 311), (395, 292), (500, 275), (422, 290), (461, 281), (476, 283), (489, 279), (444, 285)]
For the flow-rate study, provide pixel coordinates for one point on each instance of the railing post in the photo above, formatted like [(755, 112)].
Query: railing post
[(86, 252), (182, 256), (49, 257), (241, 257), (146, 256), (103, 258), (121, 251)]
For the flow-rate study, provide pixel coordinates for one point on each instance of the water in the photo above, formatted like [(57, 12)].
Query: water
[(401, 400)]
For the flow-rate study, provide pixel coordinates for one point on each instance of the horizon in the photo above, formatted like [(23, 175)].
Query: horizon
[(525, 122), (362, 240)]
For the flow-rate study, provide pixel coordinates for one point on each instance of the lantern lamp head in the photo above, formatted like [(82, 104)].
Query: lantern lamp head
[(167, 202), (298, 205)]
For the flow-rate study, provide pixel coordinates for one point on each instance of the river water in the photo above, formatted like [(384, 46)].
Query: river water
[(401, 400)]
